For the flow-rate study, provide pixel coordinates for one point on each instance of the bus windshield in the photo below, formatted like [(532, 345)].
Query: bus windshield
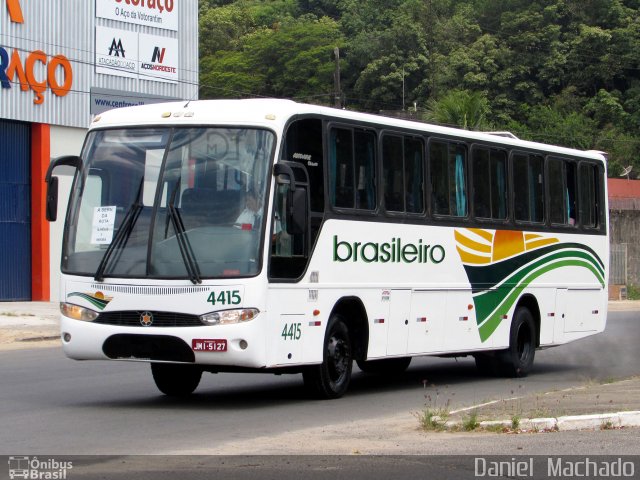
[(169, 203)]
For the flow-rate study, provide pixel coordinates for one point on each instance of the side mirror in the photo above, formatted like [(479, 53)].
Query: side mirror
[(52, 183), (52, 199), (284, 169), (297, 211)]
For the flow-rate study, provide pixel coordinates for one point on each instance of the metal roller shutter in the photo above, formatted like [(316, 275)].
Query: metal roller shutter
[(15, 211)]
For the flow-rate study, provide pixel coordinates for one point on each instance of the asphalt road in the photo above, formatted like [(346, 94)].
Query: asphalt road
[(50, 405)]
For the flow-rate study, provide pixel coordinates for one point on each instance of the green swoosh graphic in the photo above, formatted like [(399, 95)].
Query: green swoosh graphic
[(489, 324), (492, 305), (486, 276), (96, 302)]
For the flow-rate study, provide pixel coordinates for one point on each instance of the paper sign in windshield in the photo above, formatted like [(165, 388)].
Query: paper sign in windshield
[(104, 218)]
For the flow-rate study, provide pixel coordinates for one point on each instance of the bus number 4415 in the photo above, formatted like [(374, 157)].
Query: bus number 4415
[(292, 332), (226, 297)]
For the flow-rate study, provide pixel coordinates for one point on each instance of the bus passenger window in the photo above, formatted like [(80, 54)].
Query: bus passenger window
[(402, 160), (304, 145), (352, 168), (490, 183), (341, 168), (393, 178), (562, 191), (589, 195), (448, 163), (528, 187), (414, 175)]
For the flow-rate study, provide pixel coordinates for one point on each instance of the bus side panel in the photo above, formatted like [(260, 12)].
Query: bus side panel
[(294, 335), (427, 322), (377, 303)]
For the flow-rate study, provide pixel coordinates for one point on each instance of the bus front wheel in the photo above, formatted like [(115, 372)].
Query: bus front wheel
[(517, 360), (176, 380), (331, 378)]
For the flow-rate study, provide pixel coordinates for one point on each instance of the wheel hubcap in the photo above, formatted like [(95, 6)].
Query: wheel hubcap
[(338, 358)]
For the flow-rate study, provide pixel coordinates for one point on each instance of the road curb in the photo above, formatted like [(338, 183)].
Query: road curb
[(600, 421)]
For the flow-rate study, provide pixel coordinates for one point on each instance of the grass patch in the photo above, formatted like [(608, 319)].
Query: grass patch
[(496, 429), (515, 422), (433, 419), (470, 422), (633, 292), (607, 425)]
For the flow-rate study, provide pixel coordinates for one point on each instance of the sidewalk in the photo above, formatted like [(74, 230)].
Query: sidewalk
[(613, 404), (29, 325), (594, 406)]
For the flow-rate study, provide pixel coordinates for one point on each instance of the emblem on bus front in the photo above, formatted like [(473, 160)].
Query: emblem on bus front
[(146, 319)]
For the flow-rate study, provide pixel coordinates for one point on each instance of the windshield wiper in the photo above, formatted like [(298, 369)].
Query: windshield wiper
[(186, 251)]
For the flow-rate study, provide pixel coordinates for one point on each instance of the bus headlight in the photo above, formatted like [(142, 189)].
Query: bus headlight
[(78, 313), (227, 317)]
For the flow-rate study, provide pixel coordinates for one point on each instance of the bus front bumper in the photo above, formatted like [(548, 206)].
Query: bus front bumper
[(239, 345)]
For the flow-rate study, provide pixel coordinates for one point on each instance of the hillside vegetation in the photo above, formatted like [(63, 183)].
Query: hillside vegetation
[(558, 71)]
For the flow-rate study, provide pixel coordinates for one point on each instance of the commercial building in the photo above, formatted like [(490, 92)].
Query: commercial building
[(624, 231), (62, 62)]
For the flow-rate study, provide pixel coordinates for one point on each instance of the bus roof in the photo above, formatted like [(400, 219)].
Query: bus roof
[(275, 113)]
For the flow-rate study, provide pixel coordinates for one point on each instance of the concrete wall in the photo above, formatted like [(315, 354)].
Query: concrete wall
[(624, 227), (64, 141)]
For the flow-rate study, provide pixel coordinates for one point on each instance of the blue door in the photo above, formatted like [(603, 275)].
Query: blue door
[(15, 211)]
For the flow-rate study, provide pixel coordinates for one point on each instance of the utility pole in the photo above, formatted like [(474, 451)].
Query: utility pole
[(336, 80), (403, 88)]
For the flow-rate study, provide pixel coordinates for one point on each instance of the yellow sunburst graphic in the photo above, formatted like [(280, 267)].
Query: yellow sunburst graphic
[(480, 247)]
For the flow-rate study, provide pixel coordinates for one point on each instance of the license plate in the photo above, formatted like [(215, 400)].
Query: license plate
[(209, 345)]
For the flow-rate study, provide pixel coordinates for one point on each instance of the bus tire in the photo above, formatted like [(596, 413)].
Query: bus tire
[(176, 380), (517, 360), (386, 366), (331, 378)]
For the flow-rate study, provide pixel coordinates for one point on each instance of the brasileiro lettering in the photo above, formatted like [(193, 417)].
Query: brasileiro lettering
[(36, 73), (160, 5), (394, 251)]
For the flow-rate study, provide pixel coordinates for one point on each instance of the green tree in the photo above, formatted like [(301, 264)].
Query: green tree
[(460, 108), (294, 59)]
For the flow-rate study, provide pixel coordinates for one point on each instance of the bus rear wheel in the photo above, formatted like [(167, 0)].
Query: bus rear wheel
[(386, 366), (176, 380), (331, 378), (517, 360)]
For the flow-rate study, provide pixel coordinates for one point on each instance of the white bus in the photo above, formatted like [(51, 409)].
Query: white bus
[(270, 236)]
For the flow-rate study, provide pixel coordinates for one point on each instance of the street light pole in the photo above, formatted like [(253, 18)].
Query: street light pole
[(336, 80)]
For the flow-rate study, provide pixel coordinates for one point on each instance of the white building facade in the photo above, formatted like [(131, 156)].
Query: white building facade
[(61, 63)]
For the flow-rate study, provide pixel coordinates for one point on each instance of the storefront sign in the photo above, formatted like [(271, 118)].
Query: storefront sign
[(151, 13), (116, 52), (35, 70), (158, 58), (15, 11), (136, 55), (103, 99)]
